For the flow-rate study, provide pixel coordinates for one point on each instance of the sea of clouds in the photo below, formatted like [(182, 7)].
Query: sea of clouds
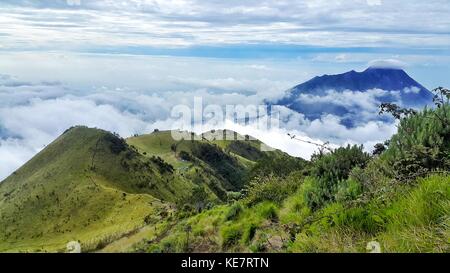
[(35, 112)]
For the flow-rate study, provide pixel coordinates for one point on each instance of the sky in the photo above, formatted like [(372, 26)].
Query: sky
[(123, 65)]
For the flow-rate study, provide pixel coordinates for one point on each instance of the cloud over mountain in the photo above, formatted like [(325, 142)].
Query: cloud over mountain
[(355, 97), (32, 114)]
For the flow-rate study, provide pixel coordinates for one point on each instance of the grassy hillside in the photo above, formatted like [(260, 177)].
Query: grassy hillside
[(87, 185), (409, 222), (151, 193), (92, 186), (221, 158), (395, 200)]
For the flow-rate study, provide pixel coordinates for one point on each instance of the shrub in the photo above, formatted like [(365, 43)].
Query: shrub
[(271, 188), (245, 150), (268, 211), (225, 165), (116, 143), (278, 166), (233, 212), (313, 193), (374, 176), (331, 169), (249, 233), (185, 156), (162, 165), (231, 235), (348, 190), (422, 143)]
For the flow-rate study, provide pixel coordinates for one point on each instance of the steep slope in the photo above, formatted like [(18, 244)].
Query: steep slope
[(88, 185), (381, 78), (92, 186), (221, 162), (347, 95)]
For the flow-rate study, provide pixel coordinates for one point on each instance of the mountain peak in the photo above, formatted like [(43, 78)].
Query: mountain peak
[(375, 67), (312, 98), (374, 77), (388, 64)]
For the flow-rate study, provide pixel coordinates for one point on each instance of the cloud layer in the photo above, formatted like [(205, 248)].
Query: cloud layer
[(69, 62), (181, 23), (32, 114)]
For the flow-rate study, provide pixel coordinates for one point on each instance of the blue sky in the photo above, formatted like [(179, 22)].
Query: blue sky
[(122, 65), (325, 34)]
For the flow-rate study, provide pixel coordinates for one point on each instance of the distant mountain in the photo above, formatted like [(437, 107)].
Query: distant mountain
[(314, 98)]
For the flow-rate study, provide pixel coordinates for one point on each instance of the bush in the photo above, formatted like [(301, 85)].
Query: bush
[(421, 145), (331, 169), (233, 212), (278, 166), (225, 165), (249, 233), (313, 193), (374, 176), (246, 150), (231, 235), (271, 188), (348, 190), (185, 156), (269, 211), (116, 143)]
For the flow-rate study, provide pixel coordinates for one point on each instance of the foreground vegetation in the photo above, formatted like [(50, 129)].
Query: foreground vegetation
[(153, 194), (398, 197)]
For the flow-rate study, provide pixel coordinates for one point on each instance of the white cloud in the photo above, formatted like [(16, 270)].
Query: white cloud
[(32, 115), (387, 63), (374, 2), (361, 100), (135, 94), (180, 23), (412, 89)]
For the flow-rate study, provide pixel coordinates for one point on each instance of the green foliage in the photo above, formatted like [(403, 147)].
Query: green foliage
[(348, 190), (246, 150), (374, 177), (420, 220), (313, 193), (163, 166), (185, 156), (278, 165), (233, 212), (268, 211), (249, 233), (226, 166), (331, 169), (271, 188), (336, 203), (422, 143), (231, 235), (115, 142)]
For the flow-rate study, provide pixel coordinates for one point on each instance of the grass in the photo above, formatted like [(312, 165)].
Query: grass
[(63, 194), (415, 221), (406, 222), (92, 187), (420, 221)]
